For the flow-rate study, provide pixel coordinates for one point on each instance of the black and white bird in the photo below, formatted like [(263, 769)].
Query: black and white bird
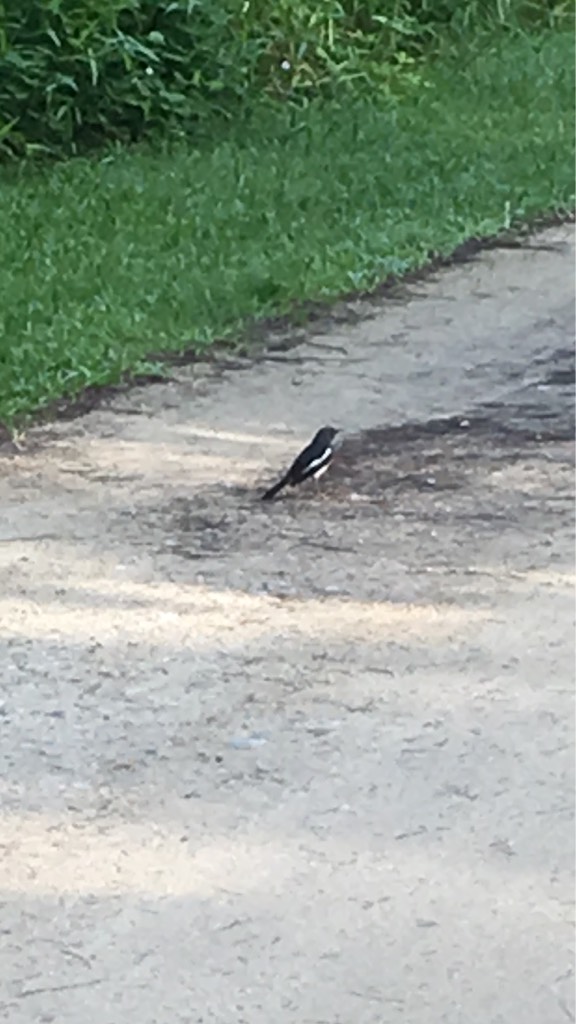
[(313, 461)]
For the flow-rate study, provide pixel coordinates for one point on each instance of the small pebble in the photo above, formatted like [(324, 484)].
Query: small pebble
[(247, 742)]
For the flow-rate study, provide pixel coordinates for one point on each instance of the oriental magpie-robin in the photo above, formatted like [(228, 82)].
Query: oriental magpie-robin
[(313, 461)]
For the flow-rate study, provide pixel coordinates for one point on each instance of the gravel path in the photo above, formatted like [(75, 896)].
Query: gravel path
[(308, 762)]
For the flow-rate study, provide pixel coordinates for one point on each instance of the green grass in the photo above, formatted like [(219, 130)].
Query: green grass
[(107, 260)]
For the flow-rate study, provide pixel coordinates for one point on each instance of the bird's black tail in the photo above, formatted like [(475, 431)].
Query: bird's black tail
[(273, 491)]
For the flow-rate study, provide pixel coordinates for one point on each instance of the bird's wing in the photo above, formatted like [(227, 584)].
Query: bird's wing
[(321, 459), (306, 465)]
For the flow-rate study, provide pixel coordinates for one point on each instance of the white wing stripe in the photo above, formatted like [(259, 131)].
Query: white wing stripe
[(320, 460)]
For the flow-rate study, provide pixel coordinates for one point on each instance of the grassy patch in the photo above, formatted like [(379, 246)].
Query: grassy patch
[(105, 261)]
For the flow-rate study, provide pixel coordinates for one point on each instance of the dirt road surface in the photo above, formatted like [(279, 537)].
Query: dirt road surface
[(308, 762)]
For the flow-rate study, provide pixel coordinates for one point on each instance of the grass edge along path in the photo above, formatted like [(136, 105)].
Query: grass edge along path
[(104, 261)]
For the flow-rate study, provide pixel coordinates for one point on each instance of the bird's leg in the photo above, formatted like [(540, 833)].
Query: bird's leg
[(317, 477)]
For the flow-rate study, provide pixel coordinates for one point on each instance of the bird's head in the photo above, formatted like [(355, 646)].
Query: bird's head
[(327, 434)]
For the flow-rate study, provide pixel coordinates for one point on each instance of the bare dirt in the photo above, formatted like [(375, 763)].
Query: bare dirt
[(308, 762)]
